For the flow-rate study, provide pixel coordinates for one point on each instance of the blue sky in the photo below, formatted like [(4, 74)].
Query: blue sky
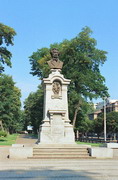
[(38, 23)]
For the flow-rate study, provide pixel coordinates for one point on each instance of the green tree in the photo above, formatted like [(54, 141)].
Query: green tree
[(83, 124), (9, 104), (112, 122), (6, 38), (33, 109), (98, 125), (82, 61)]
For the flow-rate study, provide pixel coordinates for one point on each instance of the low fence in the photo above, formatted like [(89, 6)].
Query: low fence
[(95, 140)]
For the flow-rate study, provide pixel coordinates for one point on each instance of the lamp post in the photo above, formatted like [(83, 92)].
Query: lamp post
[(104, 119)]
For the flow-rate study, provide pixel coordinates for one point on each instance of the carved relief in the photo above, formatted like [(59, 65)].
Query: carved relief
[(56, 88)]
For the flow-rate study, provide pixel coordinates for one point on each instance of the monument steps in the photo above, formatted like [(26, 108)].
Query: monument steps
[(61, 149), (60, 157), (60, 153)]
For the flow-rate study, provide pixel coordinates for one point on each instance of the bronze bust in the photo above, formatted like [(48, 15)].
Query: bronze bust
[(55, 63)]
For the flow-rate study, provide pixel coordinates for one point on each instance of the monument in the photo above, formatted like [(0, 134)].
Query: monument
[(56, 127), (56, 137)]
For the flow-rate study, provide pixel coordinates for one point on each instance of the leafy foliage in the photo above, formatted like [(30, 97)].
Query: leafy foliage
[(6, 38), (98, 125), (81, 64), (82, 61), (83, 124), (3, 134), (9, 104), (33, 109), (112, 122)]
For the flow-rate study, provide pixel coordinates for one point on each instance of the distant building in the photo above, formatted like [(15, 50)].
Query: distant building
[(94, 115), (111, 105)]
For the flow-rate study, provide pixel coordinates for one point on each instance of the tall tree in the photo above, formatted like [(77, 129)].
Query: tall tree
[(82, 61), (112, 122), (10, 104), (6, 38), (98, 125), (33, 109), (83, 124)]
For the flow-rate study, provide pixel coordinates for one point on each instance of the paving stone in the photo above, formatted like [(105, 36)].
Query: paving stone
[(59, 169)]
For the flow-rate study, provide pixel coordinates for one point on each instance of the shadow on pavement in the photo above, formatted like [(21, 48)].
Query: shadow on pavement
[(46, 174), (29, 136)]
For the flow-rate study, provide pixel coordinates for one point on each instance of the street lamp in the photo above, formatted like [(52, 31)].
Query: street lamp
[(104, 119)]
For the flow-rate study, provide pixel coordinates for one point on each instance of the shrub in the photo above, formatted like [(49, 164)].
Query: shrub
[(3, 133)]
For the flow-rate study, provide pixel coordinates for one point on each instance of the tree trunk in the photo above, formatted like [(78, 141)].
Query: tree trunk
[(1, 126), (78, 134), (114, 136), (75, 117)]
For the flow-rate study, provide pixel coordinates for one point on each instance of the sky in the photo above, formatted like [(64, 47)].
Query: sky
[(39, 23)]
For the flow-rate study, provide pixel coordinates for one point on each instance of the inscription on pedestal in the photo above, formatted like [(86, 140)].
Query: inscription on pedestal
[(57, 127)]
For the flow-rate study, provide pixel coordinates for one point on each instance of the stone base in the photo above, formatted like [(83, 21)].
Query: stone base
[(72, 145), (111, 145), (20, 152), (115, 153), (100, 152), (50, 135)]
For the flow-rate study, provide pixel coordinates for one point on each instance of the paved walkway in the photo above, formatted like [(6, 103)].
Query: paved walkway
[(26, 139), (59, 170)]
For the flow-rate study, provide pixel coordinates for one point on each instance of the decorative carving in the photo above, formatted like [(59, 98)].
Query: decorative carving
[(55, 63), (56, 87)]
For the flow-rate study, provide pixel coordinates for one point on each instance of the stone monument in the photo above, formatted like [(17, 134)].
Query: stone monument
[(56, 127)]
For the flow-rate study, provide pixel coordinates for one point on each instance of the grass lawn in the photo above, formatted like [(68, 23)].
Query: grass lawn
[(9, 140), (92, 144)]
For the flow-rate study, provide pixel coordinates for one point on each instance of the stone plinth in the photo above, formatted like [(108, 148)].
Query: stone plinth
[(111, 145), (21, 152), (100, 152), (56, 127)]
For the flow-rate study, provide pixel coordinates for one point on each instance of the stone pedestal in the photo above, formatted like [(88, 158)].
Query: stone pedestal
[(56, 127)]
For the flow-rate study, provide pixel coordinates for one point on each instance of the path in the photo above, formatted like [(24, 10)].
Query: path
[(26, 139), (59, 169)]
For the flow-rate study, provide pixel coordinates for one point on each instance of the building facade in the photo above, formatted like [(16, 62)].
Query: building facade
[(111, 105)]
